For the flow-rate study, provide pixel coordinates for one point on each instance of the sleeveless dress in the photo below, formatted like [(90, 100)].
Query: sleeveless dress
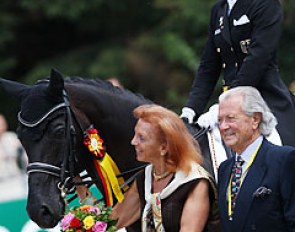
[(161, 212)]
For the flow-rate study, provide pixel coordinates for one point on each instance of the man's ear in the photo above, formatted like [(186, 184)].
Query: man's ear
[(257, 118)]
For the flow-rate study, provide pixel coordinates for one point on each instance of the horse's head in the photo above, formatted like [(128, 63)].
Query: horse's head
[(44, 131)]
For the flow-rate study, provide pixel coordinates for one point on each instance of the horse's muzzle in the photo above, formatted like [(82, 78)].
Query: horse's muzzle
[(43, 214)]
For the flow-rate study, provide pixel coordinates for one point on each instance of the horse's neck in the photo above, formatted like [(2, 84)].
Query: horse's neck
[(102, 108), (111, 114)]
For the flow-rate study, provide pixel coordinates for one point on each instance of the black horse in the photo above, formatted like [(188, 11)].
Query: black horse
[(54, 114)]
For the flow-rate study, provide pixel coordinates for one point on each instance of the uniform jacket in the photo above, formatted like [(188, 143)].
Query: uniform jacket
[(242, 46), (271, 209)]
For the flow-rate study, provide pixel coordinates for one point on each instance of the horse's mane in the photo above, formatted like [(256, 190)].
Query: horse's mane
[(106, 85)]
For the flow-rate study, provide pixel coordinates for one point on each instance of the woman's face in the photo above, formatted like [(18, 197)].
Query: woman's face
[(146, 141)]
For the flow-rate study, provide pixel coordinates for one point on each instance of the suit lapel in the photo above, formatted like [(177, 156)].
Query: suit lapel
[(223, 181), (239, 7), (225, 27), (251, 182)]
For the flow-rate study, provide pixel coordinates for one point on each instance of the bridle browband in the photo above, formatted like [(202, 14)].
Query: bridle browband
[(66, 171), (34, 124)]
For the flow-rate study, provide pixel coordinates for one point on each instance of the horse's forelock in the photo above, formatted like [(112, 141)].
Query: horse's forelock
[(38, 102)]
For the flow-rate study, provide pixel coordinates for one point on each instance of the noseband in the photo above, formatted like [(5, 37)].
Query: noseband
[(66, 171)]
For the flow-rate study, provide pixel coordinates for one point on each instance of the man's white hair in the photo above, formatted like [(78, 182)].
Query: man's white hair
[(253, 103)]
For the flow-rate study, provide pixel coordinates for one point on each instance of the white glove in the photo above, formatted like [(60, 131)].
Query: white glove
[(188, 113), (210, 118)]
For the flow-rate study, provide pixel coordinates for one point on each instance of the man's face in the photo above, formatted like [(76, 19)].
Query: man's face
[(236, 128)]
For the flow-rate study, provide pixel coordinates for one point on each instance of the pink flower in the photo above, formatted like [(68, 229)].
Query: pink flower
[(65, 222), (96, 210), (99, 227)]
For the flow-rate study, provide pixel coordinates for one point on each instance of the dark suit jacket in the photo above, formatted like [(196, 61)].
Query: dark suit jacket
[(243, 46), (273, 168)]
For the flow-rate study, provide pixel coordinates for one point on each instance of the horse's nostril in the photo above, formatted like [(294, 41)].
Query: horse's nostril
[(45, 211), (46, 217), (43, 214)]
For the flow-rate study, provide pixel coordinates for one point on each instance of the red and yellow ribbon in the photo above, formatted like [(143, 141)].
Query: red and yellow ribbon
[(105, 166)]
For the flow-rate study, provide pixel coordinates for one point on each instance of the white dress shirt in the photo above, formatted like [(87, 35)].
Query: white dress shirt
[(247, 154)]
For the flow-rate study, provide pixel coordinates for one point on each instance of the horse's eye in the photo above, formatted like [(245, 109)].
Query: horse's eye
[(60, 132)]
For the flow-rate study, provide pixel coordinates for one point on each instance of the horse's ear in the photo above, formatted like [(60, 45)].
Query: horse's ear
[(56, 83), (14, 88)]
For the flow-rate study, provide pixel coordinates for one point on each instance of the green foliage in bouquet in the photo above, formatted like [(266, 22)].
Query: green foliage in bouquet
[(88, 218)]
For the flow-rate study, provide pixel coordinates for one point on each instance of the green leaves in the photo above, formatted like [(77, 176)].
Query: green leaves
[(177, 50)]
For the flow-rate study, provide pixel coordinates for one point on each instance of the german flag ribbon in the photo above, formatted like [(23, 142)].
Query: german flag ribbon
[(105, 166)]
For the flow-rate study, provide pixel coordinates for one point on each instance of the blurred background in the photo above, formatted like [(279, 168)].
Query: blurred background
[(151, 46)]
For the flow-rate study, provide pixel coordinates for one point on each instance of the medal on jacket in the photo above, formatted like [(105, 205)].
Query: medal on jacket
[(245, 45)]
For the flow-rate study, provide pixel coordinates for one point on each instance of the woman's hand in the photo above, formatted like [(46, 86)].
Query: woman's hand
[(81, 190), (128, 211)]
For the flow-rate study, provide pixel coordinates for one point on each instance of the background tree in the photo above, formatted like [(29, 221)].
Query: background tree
[(152, 46)]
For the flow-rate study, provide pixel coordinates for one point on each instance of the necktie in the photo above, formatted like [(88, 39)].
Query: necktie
[(236, 180)]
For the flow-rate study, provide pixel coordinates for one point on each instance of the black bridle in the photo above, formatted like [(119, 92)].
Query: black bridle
[(66, 171)]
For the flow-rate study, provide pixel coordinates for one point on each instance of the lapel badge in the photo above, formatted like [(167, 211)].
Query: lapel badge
[(245, 45)]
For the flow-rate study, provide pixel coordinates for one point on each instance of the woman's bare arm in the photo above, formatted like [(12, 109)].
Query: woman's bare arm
[(196, 208)]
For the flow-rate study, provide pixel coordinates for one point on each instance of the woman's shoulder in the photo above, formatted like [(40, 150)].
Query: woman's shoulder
[(203, 174), (197, 172), (200, 171)]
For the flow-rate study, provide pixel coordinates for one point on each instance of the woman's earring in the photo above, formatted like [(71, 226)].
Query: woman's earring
[(163, 153)]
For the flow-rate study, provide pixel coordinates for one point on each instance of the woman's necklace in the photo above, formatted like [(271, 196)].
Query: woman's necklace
[(160, 176)]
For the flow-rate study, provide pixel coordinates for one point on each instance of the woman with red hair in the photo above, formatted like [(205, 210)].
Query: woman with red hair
[(174, 192)]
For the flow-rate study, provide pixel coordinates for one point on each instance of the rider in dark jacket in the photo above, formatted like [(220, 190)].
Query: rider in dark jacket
[(242, 43)]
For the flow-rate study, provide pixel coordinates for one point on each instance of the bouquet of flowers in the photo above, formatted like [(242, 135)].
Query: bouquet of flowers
[(88, 218)]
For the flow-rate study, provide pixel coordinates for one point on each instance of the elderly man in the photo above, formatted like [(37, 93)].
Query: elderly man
[(257, 185)]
